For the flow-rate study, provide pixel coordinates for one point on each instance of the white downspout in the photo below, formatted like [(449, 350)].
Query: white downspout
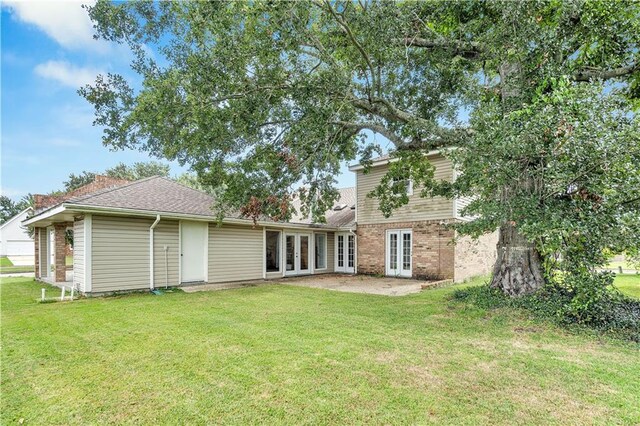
[(151, 251)]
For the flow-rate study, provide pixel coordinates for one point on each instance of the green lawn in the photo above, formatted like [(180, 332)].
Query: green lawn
[(283, 354), (629, 284), (6, 267)]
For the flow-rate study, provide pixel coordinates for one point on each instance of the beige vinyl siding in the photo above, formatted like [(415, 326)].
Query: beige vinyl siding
[(44, 252), (78, 254), (166, 233), (460, 204), (235, 253), (417, 209), (120, 253)]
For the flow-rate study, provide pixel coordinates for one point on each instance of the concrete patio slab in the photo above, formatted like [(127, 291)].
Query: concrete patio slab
[(385, 286)]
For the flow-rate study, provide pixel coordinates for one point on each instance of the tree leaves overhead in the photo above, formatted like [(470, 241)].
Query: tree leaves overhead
[(135, 171), (260, 97)]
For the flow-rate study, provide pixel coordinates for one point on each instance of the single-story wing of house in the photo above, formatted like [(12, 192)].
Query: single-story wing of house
[(156, 233)]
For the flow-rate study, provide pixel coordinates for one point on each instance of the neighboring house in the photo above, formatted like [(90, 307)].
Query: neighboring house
[(15, 242), (155, 233)]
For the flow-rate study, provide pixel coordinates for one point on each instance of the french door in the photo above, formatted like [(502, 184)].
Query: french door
[(297, 254), (398, 253), (345, 252)]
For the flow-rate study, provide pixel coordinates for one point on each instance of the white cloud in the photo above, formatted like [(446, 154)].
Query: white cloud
[(64, 21), (66, 73)]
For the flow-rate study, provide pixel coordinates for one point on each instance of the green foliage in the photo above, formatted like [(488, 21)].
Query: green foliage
[(10, 208), (589, 302), (76, 181), (136, 171)]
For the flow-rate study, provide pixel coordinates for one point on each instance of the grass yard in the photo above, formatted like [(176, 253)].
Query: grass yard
[(6, 267), (283, 354), (628, 284)]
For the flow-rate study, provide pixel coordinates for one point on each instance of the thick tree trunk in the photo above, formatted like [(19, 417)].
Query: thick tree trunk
[(518, 268)]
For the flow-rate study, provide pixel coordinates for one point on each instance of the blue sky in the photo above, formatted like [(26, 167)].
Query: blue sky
[(48, 53)]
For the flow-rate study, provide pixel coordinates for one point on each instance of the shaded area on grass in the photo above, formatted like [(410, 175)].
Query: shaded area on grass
[(614, 311)]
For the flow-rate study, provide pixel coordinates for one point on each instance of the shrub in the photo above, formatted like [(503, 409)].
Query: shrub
[(591, 303)]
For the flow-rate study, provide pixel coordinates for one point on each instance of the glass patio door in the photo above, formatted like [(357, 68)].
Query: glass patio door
[(297, 254), (345, 252), (398, 253)]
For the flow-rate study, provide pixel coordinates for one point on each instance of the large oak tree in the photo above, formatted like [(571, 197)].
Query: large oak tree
[(533, 101)]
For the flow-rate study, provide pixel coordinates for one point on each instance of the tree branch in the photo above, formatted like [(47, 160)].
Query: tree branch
[(385, 109), (588, 74), (353, 39), (374, 127), (469, 50)]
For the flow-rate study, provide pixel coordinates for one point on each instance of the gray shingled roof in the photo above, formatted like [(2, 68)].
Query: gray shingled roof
[(159, 194), (345, 216), (155, 194)]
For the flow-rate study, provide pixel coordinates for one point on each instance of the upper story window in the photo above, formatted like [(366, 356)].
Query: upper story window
[(408, 184)]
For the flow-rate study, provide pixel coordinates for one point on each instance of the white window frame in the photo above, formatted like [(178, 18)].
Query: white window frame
[(280, 255), (345, 266), (326, 260), (408, 185), (387, 249)]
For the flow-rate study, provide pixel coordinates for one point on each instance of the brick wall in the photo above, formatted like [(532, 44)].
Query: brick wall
[(432, 247), (475, 257)]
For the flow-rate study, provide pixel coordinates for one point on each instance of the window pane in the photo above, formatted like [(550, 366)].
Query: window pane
[(393, 251), (321, 251), (290, 252), (273, 251), (304, 252), (340, 251), (406, 251)]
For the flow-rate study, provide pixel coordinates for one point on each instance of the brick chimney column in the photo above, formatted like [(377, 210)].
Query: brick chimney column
[(61, 268)]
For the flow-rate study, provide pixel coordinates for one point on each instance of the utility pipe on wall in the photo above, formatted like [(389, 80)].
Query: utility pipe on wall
[(151, 251)]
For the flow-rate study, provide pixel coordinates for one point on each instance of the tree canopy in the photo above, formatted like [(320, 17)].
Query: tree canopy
[(136, 171), (10, 208), (537, 98)]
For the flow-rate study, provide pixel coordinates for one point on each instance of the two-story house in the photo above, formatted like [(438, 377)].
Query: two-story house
[(156, 233)]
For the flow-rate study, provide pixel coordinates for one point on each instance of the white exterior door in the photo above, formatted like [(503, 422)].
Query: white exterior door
[(193, 253), (398, 253), (297, 254), (345, 252)]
